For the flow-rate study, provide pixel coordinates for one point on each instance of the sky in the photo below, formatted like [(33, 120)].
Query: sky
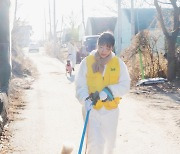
[(35, 12)]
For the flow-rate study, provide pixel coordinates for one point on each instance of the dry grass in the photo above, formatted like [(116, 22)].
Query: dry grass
[(154, 62), (21, 65), (60, 52), (23, 74), (49, 49)]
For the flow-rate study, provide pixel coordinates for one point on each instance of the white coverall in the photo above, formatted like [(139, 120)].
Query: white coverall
[(102, 124), (72, 50)]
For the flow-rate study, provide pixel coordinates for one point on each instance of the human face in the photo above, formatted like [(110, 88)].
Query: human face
[(104, 50)]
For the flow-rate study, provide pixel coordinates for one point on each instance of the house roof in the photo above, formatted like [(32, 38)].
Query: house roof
[(145, 18)]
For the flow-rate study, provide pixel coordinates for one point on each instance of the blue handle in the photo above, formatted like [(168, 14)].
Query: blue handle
[(84, 131), (109, 94)]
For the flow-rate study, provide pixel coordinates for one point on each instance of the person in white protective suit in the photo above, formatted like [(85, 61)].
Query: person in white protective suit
[(72, 50), (107, 74)]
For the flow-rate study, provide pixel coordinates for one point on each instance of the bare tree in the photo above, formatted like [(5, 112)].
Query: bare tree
[(170, 35), (71, 21), (15, 12)]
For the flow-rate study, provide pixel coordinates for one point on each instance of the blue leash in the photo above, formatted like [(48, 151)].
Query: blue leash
[(110, 97), (84, 131)]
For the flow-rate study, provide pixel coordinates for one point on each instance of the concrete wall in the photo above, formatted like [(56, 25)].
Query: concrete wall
[(3, 110), (88, 28), (5, 68)]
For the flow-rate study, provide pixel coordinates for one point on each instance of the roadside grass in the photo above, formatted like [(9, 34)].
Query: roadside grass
[(152, 61), (23, 74)]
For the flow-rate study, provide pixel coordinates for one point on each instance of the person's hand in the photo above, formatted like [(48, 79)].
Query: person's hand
[(102, 95), (88, 105), (106, 94)]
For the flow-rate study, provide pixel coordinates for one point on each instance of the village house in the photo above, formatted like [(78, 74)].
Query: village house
[(144, 19)]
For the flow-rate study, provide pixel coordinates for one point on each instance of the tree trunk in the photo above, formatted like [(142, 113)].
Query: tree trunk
[(171, 73)]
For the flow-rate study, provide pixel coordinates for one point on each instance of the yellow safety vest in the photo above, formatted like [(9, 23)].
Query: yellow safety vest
[(96, 81)]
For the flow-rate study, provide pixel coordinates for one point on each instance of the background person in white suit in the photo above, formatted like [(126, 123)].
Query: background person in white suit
[(72, 51)]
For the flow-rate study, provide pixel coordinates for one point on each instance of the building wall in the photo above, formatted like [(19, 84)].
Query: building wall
[(126, 33), (88, 28), (81, 32)]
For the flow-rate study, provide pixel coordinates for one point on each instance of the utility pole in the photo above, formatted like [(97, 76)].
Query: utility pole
[(54, 37), (45, 31), (50, 37), (132, 19), (83, 15), (119, 23), (15, 12), (62, 26), (133, 31), (5, 68)]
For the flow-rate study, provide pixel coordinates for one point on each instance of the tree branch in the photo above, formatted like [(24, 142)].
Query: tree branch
[(151, 4), (163, 2), (161, 20)]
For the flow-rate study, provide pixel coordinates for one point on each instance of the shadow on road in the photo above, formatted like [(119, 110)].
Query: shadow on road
[(71, 78)]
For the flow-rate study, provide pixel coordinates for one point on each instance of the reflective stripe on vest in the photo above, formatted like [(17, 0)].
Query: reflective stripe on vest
[(96, 82)]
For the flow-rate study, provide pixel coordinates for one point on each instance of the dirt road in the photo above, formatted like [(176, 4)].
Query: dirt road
[(52, 116)]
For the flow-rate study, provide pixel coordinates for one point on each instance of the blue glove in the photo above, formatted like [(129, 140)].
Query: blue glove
[(88, 105)]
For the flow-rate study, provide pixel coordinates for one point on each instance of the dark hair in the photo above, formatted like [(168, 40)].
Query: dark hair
[(106, 38)]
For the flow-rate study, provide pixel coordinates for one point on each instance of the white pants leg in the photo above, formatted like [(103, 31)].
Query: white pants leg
[(102, 131), (74, 61), (95, 141), (109, 130)]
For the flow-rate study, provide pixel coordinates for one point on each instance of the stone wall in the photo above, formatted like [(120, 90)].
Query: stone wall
[(3, 110)]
